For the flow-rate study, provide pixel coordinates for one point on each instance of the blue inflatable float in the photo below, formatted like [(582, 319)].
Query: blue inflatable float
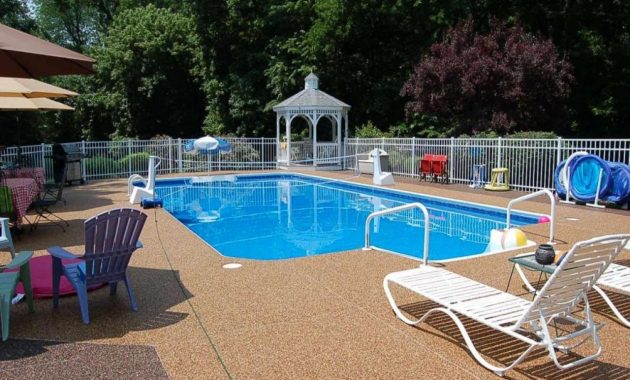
[(582, 178)]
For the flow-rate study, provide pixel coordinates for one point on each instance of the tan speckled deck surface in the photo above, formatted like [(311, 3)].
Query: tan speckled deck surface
[(315, 317)]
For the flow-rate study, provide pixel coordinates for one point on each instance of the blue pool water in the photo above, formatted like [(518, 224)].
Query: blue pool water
[(282, 216)]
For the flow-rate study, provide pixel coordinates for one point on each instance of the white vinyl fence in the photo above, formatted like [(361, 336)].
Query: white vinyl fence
[(120, 159), (531, 161)]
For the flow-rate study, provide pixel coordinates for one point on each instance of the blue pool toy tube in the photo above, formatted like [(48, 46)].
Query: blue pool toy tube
[(584, 178), (619, 191)]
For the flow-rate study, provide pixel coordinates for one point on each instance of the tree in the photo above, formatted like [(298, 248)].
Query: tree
[(501, 80), (362, 51), (234, 37), (148, 74)]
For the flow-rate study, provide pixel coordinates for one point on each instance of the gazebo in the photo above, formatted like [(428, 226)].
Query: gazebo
[(311, 104)]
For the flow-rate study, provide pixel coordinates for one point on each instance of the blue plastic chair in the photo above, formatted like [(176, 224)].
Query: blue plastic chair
[(110, 239)]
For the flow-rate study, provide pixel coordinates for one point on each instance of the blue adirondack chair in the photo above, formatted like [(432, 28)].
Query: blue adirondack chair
[(110, 239)]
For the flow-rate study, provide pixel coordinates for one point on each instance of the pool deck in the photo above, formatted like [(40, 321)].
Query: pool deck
[(316, 317)]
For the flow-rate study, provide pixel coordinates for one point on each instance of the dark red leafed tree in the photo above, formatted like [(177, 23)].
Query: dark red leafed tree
[(503, 80)]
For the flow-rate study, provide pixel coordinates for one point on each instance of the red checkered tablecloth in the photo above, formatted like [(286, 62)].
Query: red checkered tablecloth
[(36, 173), (24, 190)]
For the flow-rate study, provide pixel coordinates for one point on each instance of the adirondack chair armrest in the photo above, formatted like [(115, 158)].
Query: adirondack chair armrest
[(20, 259), (139, 244), (61, 253)]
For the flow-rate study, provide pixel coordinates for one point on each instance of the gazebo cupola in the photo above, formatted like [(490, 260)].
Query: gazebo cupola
[(311, 104)]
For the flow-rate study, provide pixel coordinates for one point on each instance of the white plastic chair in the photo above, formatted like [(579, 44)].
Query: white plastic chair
[(5, 237), (527, 321)]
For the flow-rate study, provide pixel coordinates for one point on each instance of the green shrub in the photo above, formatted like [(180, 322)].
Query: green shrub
[(369, 130), (139, 162), (100, 165)]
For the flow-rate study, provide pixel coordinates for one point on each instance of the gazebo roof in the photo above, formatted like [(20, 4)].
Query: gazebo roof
[(311, 97)]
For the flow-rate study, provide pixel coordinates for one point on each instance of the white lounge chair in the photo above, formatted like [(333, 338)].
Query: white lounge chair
[(527, 321), (617, 277)]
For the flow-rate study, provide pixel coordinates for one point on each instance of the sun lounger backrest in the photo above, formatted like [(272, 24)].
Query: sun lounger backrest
[(574, 277)]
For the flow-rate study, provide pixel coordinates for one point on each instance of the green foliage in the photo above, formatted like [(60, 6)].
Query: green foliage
[(514, 135), (148, 73), (369, 130), (175, 66), (100, 164), (135, 162), (14, 13), (428, 126)]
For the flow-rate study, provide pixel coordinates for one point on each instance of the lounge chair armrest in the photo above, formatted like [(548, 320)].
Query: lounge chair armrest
[(20, 259), (61, 253), (139, 244)]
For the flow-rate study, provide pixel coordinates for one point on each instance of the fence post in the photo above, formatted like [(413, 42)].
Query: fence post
[(179, 155), (413, 157), (499, 152), (559, 151), (383, 143), (43, 156), (83, 153), (170, 155), (129, 155), (263, 156), (452, 158)]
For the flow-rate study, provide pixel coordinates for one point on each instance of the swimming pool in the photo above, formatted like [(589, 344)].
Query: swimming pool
[(282, 216)]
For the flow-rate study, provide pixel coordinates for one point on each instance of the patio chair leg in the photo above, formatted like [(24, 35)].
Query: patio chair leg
[(132, 299), (56, 277), (83, 302), (5, 314), (112, 288), (25, 277)]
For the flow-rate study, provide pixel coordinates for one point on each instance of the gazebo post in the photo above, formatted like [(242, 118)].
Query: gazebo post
[(338, 121), (278, 117), (314, 122), (288, 132)]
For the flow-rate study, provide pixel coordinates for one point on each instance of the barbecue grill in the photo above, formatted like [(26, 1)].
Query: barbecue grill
[(68, 157), (74, 167)]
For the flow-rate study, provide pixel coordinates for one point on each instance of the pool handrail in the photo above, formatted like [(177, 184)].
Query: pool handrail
[(425, 257), (535, 194)]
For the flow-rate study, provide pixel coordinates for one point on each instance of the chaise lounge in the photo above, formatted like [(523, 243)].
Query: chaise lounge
[(527, 321)]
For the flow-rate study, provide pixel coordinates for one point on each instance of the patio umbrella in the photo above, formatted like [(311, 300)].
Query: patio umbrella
[(31, 88), (14, 103), (207, 145), (26, 56)]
